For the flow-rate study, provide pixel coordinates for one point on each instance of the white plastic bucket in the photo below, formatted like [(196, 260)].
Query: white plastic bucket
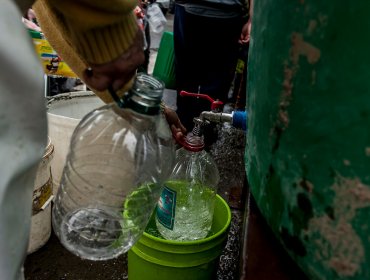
[(64, 113), (41, 206)]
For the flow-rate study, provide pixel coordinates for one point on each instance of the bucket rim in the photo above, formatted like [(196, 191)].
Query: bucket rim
[(172, 262), (199, 241), (65, 99), (69, 96), (49, 149)]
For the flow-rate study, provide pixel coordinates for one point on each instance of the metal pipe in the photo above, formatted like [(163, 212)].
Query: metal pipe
[(237, 119), (216, 117)]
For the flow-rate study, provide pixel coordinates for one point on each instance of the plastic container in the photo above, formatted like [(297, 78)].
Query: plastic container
[(118, 160), (155, 258), (64, 112), (185, 209), (52, 63), (308, 146), (156, 19), (41, 206), (164, 68)]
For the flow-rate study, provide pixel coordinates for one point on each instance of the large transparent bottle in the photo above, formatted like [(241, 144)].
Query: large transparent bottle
[(185, 208), (119, 157)]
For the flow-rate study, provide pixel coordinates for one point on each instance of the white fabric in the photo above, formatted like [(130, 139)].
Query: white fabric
[(23, 135)]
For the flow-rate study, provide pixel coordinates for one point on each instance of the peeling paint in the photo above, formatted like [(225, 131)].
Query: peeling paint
[(285, 98), (284, 118), (351, 194), (312, 25), (367, 151), (346, 162), (300, 47), (338, 244), (307, 185), (313, 77)]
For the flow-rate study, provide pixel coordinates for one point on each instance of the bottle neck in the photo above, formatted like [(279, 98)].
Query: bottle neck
[(144, 97), (193, 143), (142, 105)]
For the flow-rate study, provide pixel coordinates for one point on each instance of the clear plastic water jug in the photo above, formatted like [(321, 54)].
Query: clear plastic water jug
[(119, 157), (185, 208)]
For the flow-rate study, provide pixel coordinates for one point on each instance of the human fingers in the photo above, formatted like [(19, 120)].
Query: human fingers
[(96, 80), (176, 132), (181, 127), (118, 72), (173, 120), (244, 40)]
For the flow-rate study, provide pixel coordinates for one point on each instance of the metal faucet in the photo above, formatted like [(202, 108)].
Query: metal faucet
[(237, 119)]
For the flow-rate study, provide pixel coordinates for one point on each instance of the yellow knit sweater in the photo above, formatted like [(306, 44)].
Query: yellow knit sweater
[(87, 32)]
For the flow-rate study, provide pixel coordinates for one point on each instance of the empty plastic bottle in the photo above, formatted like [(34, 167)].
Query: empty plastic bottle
[(157, 21), (185, 209), (119, 157)]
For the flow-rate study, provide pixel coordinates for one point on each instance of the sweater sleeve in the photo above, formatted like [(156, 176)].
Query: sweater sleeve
[(85, 32), (101, 30)]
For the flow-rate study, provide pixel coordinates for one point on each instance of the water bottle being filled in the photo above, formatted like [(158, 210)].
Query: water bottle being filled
[(185, 209), (119, 156)]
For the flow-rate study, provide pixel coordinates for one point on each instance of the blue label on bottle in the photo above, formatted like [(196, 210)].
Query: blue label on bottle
[(166, 208)]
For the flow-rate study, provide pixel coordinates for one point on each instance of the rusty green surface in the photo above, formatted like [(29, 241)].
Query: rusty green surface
[(308, 153)]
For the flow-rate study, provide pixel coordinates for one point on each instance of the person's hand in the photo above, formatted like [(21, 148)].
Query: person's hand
[(119, 72), (178, 130), (246, 32)]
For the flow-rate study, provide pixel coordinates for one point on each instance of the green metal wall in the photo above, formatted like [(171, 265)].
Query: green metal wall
[(308, 153)]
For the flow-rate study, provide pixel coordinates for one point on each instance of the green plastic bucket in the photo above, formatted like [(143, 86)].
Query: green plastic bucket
[(164, 68), (156, 258)]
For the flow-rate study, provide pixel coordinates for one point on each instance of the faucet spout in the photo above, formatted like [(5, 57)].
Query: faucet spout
[(237, 119), (216, 117)]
